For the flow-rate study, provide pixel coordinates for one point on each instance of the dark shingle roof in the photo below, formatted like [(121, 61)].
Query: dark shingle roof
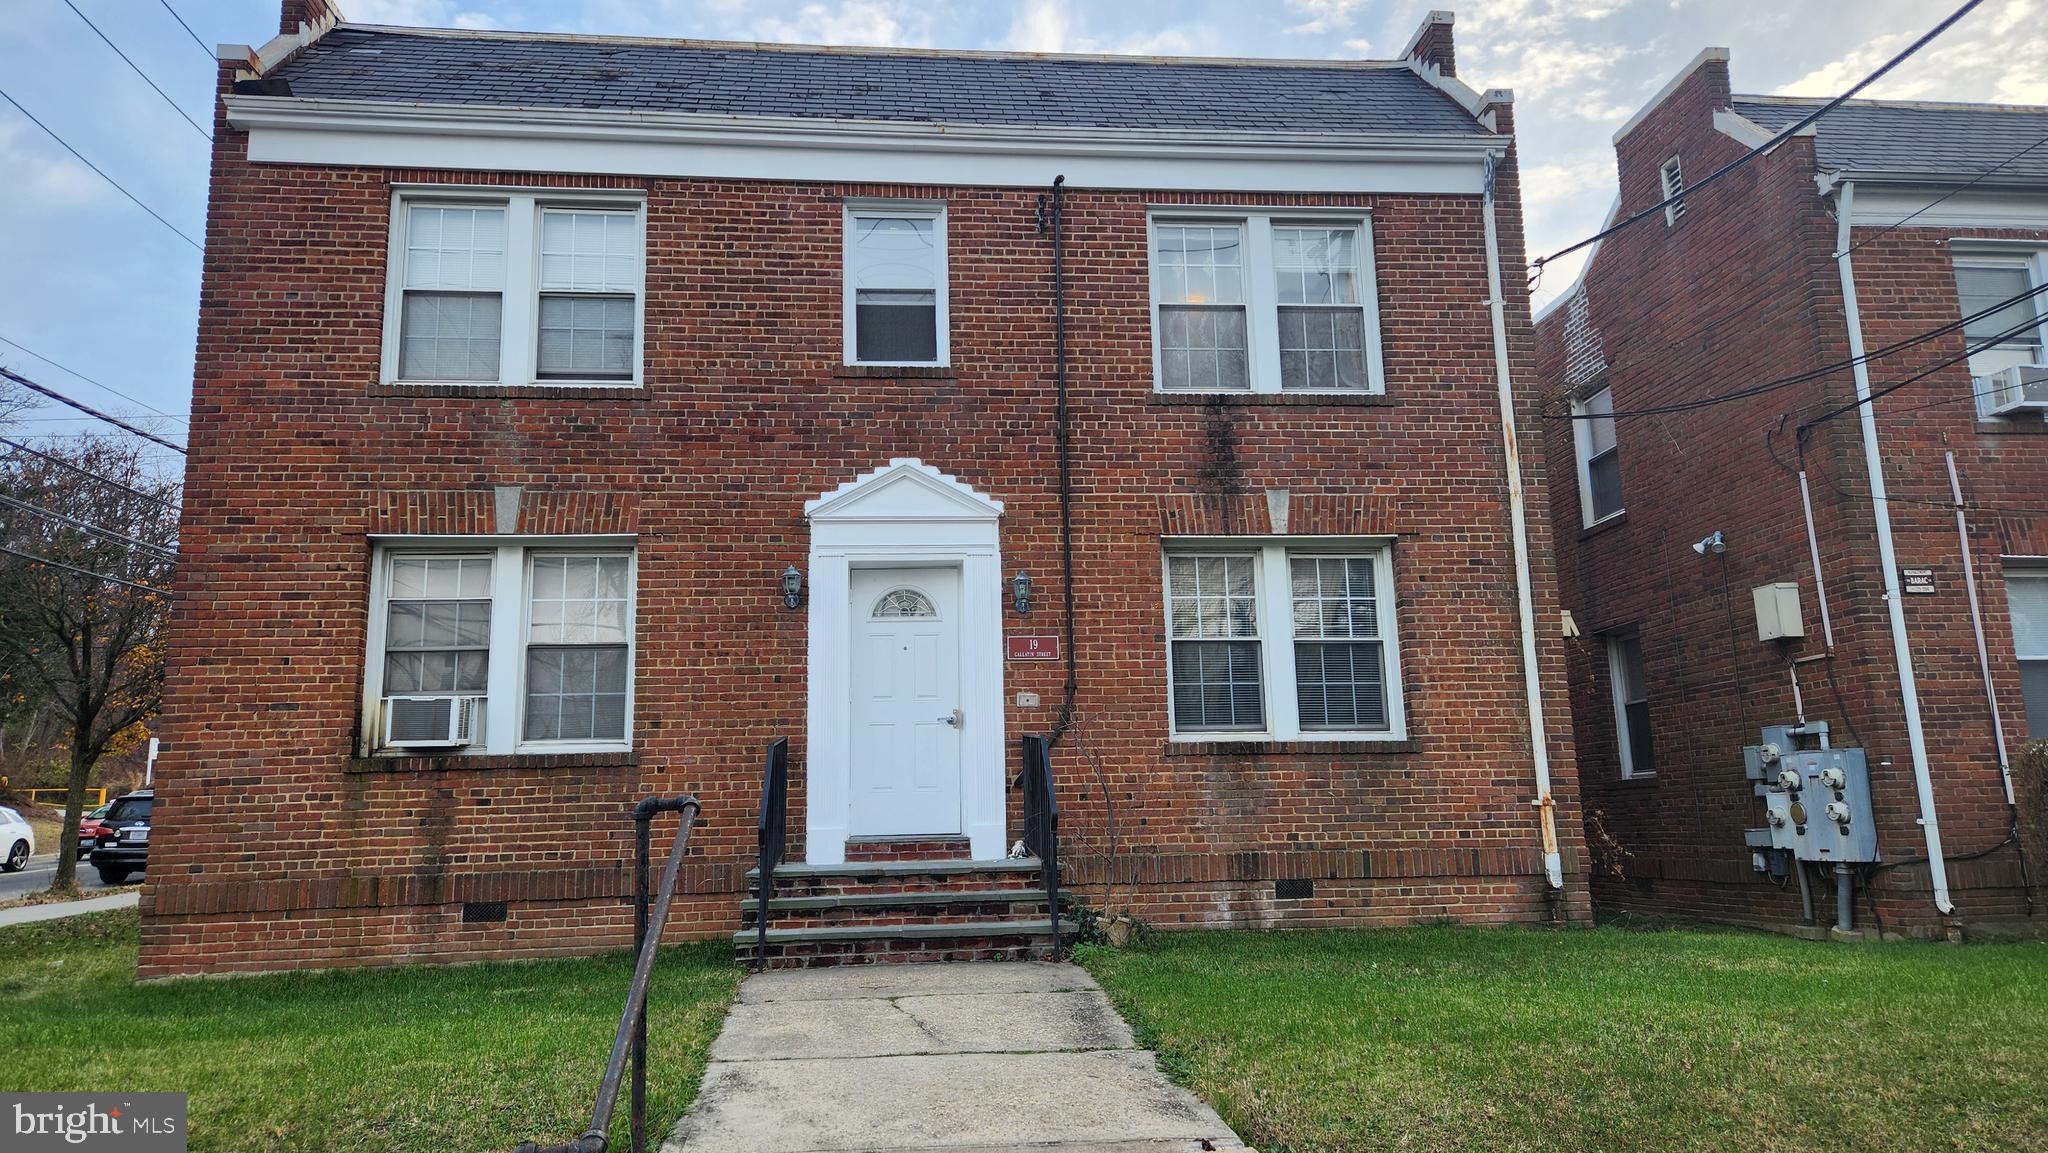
[(1936, 139), (355, 62)]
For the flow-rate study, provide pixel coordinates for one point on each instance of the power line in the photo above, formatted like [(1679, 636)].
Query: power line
[(102, 174), (72, 568), (137, 69), (1969, 396), (1815, 373), (211, 58), (1767, 145), (93, 381), (89, 410), (1976, 180), (1894, 386), (1746, 308), (86, 526), (45, 419), (60, 462)]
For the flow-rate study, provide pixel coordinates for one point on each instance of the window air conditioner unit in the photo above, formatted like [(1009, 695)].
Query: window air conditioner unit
[(2021, 388), (430, 722)]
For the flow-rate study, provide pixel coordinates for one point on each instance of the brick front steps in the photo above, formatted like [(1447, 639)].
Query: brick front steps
[(881, 912)]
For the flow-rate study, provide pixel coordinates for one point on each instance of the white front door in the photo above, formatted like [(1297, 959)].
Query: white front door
[(906, 706)]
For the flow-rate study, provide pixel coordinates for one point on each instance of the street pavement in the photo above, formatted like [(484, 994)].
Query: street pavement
[(37, 876)]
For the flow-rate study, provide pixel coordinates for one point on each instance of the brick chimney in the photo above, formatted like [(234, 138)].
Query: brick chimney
[(1432, 44), (315, 15)]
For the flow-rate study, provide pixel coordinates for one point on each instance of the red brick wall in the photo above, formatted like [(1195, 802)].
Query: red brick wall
[(275, 848), (1742, 291), (293, 13)]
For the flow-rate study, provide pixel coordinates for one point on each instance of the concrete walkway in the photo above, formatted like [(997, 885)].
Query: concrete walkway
[(992, 1058), (29, 914)]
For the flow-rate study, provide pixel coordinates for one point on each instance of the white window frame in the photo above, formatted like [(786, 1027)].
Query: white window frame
[(511, 605), (1582, 449), (1261, 295), (1272, 590), (519, 324), (1623, 743), (2031, 570), (1671, 180), (2034, 263), (932, 210)]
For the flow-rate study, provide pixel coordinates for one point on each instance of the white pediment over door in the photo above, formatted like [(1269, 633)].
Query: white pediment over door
[(906, 490)]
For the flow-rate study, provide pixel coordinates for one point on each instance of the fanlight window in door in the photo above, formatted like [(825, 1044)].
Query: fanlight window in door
[(904, 603)]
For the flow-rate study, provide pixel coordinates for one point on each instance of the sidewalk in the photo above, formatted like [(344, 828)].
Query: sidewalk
[(28, 914), (989, 1057)]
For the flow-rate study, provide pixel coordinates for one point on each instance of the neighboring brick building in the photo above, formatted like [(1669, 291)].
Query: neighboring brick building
[(1736, 293), (529, 366)]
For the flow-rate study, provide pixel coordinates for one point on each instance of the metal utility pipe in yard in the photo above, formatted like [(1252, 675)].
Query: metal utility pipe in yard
[(1820, 586), (1955, 488), (1845, 899), (1553, 864), (1887, 555)]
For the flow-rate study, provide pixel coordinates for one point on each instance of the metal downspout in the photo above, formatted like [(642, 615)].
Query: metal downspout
[(1553, 864), (1887, 556)]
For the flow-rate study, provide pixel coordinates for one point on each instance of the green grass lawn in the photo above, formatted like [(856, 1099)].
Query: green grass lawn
[(475, 1057), (1606, 1039)]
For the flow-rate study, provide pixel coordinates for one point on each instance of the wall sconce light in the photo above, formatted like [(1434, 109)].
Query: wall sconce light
[(1020, 591), (792, 588)]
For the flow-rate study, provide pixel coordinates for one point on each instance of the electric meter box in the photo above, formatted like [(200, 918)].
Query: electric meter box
[(1777, 612), (1817, 805)]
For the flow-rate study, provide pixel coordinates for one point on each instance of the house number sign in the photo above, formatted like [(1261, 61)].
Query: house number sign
[(1034, 648), (1916, 582)]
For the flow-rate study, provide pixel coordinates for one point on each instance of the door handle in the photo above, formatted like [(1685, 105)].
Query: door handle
[(953, 718)]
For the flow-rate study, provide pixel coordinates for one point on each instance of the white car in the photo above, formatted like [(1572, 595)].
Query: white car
[(18, 840)]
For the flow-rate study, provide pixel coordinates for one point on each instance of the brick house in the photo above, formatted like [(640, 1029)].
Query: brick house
[(535, 372), (1890, 250)]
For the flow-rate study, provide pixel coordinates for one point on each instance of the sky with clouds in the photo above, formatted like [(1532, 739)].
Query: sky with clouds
[(110, 293)]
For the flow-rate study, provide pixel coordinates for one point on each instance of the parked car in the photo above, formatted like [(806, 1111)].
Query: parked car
[(19, 838), (123, 845), (90, 828)]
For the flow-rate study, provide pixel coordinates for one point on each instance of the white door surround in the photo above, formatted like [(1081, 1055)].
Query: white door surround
[(907, 714), (905, 516)]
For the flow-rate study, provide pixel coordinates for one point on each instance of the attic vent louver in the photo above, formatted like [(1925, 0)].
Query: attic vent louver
[(1673, 178)]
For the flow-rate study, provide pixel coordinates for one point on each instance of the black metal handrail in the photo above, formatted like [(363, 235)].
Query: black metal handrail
[(632, 1032), (1042, 825), (771, 836)]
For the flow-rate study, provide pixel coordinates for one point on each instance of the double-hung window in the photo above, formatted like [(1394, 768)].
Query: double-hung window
[(2027, 595), (1599, 456), (1631, 706), (2007, 333), (1264, 303), (514, 288), (437, 632), (538, 636), (589, 284), (895, 291), (1282, 642)]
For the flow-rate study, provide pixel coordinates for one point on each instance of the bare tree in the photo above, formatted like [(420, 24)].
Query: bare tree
[(90, 537)]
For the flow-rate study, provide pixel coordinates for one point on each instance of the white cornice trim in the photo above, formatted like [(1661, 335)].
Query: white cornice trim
[(1743, 130), (629, 142), (1706, 55), (251, 112), (1939, 206), (1469, 98), (970, 501)]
